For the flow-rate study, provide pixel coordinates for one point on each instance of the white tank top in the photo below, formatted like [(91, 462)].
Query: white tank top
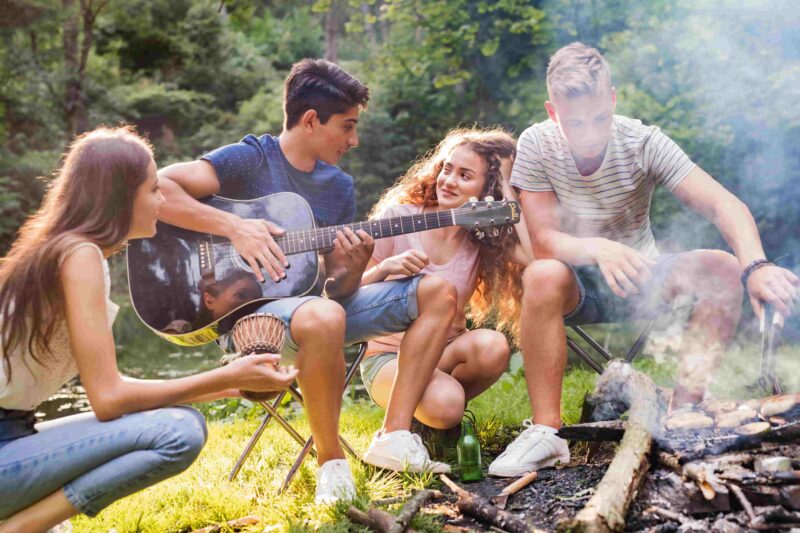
[(32, 382)]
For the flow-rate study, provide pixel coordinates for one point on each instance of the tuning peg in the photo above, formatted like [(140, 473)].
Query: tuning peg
[(473, 199), (510, 229), (494, 232), (489, 199), (479, 234)]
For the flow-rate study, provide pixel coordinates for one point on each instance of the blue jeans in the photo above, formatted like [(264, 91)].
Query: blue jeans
[(372, 311), (96, 462)]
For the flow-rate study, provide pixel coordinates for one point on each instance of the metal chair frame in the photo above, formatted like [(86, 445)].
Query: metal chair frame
[(633, 351), (307, 444)]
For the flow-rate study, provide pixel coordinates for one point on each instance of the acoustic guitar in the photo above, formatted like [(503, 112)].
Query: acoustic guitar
[(190, 287)]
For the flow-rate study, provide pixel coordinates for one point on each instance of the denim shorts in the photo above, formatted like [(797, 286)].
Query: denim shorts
[(599, 305), (374, 310)]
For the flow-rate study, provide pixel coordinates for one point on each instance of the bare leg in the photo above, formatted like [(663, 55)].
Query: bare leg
[(318, 328), (476, 359), (470, 364), (550, 291), (712, 277), (40, 516), (420, 350)]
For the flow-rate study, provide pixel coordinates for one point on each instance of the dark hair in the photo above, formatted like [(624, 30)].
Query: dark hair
[(322, 86), (90, 199)]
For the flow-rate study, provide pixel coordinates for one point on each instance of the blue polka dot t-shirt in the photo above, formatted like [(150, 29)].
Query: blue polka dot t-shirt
[(256, 166)]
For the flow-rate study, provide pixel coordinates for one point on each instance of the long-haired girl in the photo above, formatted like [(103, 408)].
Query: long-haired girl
[(485, 273), (55, 323)]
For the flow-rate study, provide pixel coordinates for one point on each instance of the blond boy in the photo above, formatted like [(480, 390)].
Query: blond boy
[(586, 178)]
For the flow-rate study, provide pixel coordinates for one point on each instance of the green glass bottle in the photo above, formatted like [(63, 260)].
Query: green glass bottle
[(468, 450)]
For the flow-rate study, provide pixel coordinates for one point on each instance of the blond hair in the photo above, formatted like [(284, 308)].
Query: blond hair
[(577, 70)]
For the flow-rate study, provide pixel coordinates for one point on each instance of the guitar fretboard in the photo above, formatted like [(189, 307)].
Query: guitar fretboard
[(294, 242)]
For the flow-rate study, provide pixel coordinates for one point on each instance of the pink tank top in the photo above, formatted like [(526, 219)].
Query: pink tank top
[(461, 271)]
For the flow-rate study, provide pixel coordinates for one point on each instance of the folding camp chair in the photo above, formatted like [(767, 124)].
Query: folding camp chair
[(307, 444), (606, 356)]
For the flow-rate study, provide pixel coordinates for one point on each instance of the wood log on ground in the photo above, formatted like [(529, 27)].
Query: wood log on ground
[(375, 519), (611, 430), (606, 510), (479, 507)]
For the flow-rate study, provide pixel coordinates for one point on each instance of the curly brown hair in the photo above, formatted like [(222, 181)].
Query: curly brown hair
[(499, 289)]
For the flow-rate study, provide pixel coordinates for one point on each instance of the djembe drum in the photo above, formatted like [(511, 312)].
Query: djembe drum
[(256, 334)]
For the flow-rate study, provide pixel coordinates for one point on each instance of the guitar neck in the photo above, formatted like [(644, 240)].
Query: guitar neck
[(294, 242)]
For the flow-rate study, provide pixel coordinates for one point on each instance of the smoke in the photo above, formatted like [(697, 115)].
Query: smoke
[(722, 79)]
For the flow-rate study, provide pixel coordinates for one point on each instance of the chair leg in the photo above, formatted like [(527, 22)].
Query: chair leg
[(307, 445), (640, 342), (593, 343), (584, 356), (257, 435)]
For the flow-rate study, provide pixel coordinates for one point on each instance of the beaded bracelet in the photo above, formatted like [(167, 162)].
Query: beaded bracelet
[(752, 267)]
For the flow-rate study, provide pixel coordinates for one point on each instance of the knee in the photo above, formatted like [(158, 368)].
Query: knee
[(547, 282), (187, 434), (437, 293), (443, 406), (319, 318), (720, 275), (491, 354)]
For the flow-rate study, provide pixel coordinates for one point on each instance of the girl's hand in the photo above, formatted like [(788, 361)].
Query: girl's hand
[(261, 373), (409, 263)]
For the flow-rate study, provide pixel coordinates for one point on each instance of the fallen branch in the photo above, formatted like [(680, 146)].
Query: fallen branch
[(411, 508), (375, 519), (606, 510), (479, 507)]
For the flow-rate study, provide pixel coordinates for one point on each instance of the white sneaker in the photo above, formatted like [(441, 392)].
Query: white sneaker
[(402, 451), (536, 447), (334, 483)]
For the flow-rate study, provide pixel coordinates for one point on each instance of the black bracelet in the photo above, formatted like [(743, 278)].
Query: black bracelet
[(752, 267)]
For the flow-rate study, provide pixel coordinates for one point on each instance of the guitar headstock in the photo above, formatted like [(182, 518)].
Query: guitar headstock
[(483, 215)]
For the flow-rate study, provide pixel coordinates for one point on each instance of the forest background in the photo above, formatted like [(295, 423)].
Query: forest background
[(721, 78)]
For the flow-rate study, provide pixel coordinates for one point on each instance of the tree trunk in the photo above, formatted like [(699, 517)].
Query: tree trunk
[(331, 28), (73, 99)]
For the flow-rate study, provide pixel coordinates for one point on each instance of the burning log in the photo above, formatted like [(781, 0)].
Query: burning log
[(479, 507), (606, 510)]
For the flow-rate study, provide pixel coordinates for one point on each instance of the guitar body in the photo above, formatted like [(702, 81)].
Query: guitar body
[(190, 287)]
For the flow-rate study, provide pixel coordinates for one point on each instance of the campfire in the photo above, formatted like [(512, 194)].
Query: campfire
[(722, 465)]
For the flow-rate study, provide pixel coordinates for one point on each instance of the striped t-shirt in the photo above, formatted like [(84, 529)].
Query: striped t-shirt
[(614, 201)]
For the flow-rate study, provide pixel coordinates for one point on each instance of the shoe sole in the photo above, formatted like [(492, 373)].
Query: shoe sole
[(397, 466), (516, 472)]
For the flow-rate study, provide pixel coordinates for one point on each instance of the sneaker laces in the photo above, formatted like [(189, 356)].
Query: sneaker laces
[(522, 439), (420, 453)]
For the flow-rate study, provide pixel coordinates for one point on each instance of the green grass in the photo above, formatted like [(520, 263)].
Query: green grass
[(203, 494)]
